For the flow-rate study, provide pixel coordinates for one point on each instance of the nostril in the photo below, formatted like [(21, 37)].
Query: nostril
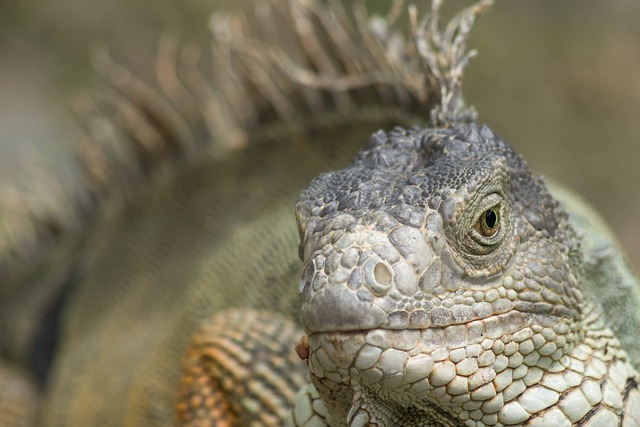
[(377, 276), (382, 274)]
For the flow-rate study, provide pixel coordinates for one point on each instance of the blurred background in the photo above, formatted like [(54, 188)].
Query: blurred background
[(559, 80)]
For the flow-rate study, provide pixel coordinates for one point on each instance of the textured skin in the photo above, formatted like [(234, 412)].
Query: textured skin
[(416, 318), (169, 285), (146, 263), (249, 372)]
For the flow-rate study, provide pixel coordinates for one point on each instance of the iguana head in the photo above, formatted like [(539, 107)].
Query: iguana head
[(437, 277)]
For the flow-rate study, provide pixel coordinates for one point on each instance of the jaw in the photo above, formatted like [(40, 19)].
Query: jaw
[(439, 376), (381, 377)]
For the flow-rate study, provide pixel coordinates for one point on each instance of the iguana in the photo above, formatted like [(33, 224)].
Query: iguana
[(442, 283)]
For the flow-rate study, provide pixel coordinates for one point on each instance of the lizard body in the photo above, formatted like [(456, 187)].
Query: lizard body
[(158, 325)]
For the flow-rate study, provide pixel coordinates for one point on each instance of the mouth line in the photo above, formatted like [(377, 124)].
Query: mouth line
[(508, 321), (493, 327)]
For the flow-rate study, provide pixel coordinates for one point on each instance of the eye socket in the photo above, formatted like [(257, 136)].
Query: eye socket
[(488, 223), (484, 226)]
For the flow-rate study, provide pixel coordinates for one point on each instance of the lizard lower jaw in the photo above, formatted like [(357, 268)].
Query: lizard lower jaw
[(438, 372)]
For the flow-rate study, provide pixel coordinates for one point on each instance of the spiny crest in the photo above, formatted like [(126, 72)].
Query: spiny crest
[(289, 67)]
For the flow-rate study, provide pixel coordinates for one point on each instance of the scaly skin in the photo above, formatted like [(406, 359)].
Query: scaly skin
[(422, 310), (240, 370), (183, 248)]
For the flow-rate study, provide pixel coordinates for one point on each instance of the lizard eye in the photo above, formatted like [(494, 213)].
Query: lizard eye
[(487, 226), (489, 222), (483, 227)]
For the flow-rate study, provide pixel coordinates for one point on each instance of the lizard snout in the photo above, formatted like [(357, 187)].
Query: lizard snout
[(365, 280)]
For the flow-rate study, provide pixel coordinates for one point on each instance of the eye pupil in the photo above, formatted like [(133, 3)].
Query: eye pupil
[(489, 223), (490, 218)]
